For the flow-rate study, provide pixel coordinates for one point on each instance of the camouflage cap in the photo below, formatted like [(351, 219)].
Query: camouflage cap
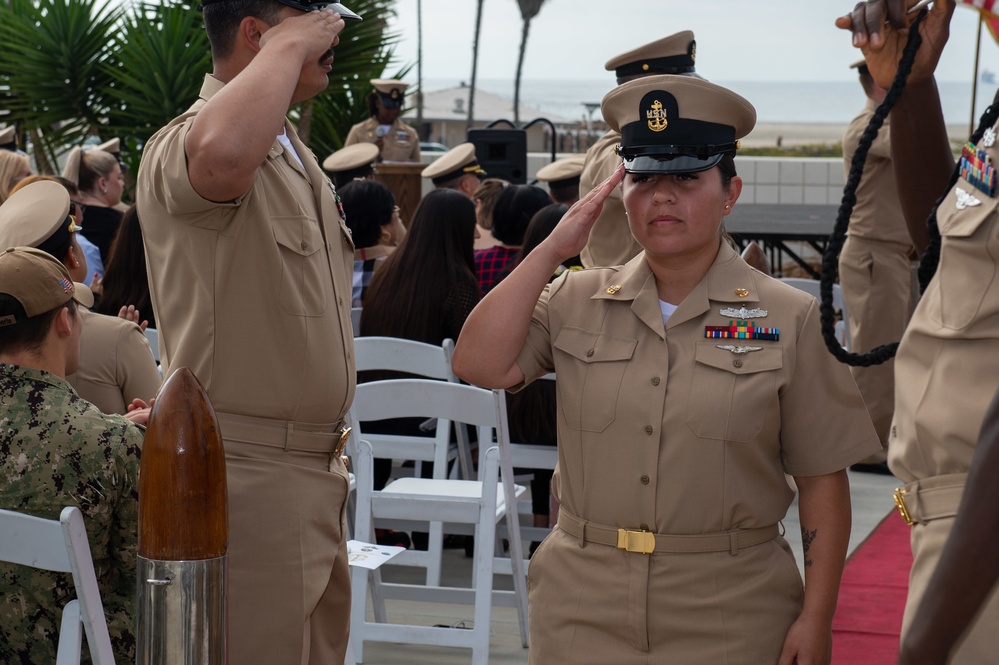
[(38, 282)]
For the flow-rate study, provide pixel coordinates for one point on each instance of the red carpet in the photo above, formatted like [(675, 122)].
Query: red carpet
[(872, 597)]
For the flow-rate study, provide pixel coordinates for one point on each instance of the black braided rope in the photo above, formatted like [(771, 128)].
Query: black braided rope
[(931, 257), (830, 258)]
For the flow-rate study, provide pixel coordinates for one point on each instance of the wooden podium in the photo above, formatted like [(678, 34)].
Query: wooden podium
[(404, 181)]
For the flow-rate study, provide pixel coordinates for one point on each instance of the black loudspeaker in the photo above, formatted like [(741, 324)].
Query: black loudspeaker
[(502, 153)]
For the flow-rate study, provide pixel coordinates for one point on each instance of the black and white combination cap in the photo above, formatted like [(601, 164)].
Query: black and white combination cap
[(676, 124)]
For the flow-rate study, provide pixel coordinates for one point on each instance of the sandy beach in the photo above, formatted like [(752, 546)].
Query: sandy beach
[(766, 134)]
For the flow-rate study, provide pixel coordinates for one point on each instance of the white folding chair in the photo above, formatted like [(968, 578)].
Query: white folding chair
[(424, 360), (530, 456), (355, 320), (61, 546), (153, 337), (811, 286), (482, 503)]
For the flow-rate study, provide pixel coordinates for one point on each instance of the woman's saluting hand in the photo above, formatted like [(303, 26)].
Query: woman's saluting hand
[(569, 237)]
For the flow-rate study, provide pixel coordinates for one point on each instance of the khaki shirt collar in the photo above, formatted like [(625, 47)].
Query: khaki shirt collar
[(727, 277)]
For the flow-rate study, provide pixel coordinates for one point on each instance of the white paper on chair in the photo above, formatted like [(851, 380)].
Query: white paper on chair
[(368, 555)]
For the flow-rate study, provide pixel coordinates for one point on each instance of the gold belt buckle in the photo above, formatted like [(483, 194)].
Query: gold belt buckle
[(903, 509), (636, 541), (344, 435)]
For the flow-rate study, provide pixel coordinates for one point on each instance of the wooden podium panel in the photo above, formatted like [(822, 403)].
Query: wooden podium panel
[(404, 181)]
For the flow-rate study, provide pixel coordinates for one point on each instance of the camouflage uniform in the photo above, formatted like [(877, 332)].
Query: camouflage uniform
[(57, 449)]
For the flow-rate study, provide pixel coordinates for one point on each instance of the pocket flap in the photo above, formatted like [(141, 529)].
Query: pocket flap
[(298, 233), (961, 222), (766, 359), (592, 347)]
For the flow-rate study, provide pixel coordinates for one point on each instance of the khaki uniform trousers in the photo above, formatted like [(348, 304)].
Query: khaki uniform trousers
[(663, 608), (978, 646), (288, 584), (877, 286)]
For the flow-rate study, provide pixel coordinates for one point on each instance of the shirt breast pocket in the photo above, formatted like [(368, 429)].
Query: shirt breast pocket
[(304, 272), (589, 384), (967, 268), (731, 393)]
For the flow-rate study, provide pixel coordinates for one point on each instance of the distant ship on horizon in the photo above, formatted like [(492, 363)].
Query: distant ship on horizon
[(988, 77)]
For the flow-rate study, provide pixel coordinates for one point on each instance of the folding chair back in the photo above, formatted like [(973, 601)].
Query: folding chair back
[(61, 546), (482, 503)]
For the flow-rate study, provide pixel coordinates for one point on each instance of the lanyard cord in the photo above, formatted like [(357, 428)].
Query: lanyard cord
[(830, 258), (930, 258)]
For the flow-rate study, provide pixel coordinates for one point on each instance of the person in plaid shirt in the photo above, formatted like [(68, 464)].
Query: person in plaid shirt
[(513, 212)]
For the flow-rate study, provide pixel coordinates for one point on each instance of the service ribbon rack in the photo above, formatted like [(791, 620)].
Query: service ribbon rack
[(741, 330)]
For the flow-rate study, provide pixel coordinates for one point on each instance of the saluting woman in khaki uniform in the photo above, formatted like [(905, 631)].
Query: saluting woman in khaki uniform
[(689, 384)]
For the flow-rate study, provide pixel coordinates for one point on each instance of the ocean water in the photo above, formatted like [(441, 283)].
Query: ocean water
[(832, 102)]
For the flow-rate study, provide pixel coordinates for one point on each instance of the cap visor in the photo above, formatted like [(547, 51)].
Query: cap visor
[(678, 164), (343, 11), (83, 295)]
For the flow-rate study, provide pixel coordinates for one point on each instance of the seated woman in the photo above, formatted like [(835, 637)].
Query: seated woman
[(125, 279), (689, 384), (116, 365), (373, 219), (485, 196), (513, 211), (423, 292), (98, 176)]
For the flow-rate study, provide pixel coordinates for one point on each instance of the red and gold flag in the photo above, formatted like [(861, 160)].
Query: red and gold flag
[(990, 13)]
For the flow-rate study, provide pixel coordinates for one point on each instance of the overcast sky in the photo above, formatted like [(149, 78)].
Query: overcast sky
[(744, 40)]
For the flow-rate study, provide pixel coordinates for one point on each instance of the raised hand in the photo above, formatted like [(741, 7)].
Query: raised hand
[(881, 27)]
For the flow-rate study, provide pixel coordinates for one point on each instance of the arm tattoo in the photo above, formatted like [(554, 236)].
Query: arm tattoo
[(807, 537)]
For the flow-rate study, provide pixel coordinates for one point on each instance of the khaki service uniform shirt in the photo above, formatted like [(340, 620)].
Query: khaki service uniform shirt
[(610, 242), (875, 270), (254, 296), (401, 144), (116, 363), (946, 374), (664, 430)]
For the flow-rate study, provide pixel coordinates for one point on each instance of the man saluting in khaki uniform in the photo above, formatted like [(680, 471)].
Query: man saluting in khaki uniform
[(250, 274)]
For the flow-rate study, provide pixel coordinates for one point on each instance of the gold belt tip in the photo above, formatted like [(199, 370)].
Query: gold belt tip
[(903, 509)]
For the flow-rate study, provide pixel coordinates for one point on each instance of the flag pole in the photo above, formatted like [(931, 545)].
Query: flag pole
[(974, 81)]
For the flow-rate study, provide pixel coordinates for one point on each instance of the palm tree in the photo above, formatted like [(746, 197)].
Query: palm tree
[(52, 63), (475, 65), (125, 71), (160, 61), (528, 10)]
